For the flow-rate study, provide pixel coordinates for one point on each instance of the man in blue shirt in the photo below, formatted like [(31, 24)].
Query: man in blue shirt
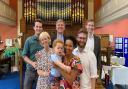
[(60, 28), (31, 46)]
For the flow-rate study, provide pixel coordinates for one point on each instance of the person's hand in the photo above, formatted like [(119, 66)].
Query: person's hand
[(38, 55), (34, 64), (54, 65), (62, 53), (68, 69), (45, 74)]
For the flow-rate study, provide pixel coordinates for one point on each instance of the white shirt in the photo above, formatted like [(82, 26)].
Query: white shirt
[(90, 43), (89, 65)]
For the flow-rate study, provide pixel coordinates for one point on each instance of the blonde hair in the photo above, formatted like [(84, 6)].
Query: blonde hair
[(43, 35), (57, 41)]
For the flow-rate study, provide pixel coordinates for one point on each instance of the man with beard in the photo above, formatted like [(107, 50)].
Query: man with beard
[(88, 60)]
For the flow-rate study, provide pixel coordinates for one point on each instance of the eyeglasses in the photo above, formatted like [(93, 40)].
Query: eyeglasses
[(82, 38)]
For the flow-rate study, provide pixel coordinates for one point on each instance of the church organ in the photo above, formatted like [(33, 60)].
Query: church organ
[(71, 11)]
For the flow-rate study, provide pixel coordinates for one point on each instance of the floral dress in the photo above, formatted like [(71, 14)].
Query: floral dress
[(44, 64), (74, 63)]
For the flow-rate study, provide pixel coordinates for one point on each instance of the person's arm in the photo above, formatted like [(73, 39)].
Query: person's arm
[(75, 71), (70, 76), (93, 83), (43, 73), (62, 66), (27, 60), (98, 55), (25, 54), (93, 69)]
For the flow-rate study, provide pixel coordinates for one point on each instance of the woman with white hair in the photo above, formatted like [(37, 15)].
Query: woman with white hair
[(43, 62)]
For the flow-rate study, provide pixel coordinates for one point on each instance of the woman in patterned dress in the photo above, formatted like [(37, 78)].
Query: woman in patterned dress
[(71, 80), (44, 64)]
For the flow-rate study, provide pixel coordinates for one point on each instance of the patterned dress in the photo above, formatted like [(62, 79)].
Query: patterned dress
[(74, 63), (44, 64)]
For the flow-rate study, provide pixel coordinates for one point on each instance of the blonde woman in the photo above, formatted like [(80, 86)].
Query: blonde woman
[(43, 62)]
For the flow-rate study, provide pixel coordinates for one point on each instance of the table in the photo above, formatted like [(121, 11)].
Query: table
[(118, 74), (117, 60)]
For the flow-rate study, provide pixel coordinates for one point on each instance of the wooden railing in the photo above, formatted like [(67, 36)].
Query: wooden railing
[(7, 14), (110, 11)]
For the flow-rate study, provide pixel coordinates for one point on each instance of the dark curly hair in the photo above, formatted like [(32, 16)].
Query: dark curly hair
[(72, 38)]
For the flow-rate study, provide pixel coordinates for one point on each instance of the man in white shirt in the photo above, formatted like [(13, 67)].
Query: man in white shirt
[(88, 60), (93, 42)]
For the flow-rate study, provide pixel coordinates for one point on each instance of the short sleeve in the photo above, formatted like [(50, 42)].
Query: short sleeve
[(54, 58)]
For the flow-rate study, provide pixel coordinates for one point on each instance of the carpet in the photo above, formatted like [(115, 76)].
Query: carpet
[(10, 81)]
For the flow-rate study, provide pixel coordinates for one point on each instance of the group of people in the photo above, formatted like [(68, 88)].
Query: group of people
[(61, 62)]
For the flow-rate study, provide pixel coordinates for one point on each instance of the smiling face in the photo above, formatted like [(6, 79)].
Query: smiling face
[(45, 39), (81, 40), (44, 42), (69, 46), (38, 28), (60, 26), (59, 48), (90, 26)]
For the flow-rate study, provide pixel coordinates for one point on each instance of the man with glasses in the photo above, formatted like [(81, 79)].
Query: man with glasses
[(88, 61)]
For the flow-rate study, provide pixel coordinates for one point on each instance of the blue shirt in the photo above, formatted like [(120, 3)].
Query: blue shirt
[(60, 36), (55, 72), (31, 46)]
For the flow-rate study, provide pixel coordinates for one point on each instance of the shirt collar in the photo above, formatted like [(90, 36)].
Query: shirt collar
[(59, 34), (90, 35), (34, 37), (84, 50)]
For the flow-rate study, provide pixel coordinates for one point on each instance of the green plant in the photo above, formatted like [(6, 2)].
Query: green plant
[(10, 51)]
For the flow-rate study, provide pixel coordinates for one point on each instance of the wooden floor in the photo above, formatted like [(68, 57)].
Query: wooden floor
[(99, 84)]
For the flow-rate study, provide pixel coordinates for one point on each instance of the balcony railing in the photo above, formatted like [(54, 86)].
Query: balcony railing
[(7, 14), (111, 11)]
